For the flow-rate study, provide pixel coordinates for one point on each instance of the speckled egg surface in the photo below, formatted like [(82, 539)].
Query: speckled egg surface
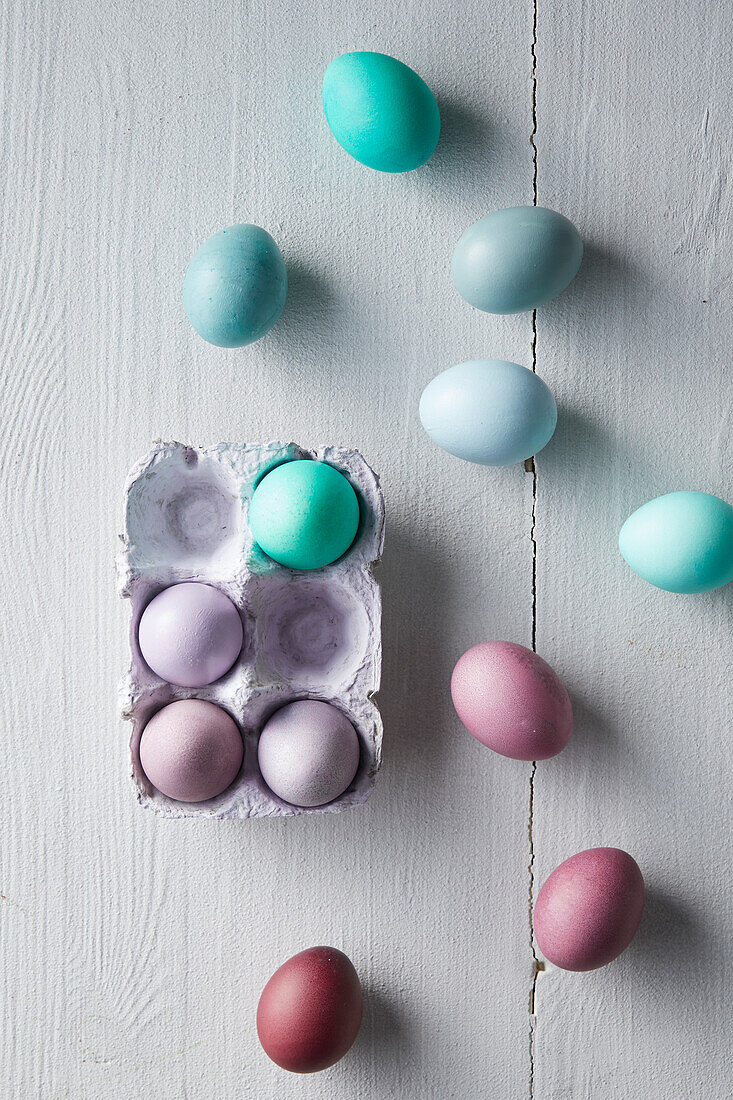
[(512, 701), (304, 514), (306, 635), (681, 542), (309, 1013), (235, 286), (380, 111), (308, 752), (516, 259), (589, 909), (489, 411), (191, 750), (190, 634)]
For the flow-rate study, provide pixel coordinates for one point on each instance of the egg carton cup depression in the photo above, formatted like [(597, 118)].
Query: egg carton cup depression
[(312, 634)]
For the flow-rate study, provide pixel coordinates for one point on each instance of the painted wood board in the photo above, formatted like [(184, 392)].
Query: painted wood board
[(634, 144), (134, 950)]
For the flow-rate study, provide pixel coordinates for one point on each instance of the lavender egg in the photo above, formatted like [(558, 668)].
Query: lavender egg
[(191, 750), (308, 753), (589, 909), (190, 634)]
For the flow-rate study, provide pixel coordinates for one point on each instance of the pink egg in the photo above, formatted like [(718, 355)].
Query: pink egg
[(191, 750), (589, 909), (190, 634), (308, 753), (512, 701)]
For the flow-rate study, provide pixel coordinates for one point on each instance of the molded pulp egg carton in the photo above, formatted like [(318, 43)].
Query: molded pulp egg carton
[(307, 634)]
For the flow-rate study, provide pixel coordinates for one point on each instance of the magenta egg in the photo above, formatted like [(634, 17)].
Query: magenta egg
[(512, 701), (190, 634), (589, 909), (191, 750)]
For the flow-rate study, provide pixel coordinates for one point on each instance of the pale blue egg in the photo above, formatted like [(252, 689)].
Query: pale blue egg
[(489, 411), (235, 286), (516, 259), (681, 542)]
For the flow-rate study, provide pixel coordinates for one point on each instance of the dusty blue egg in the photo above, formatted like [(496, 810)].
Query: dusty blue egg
[(235, 286), (380, 111), (681, 542), (489, 411), (516, 259)]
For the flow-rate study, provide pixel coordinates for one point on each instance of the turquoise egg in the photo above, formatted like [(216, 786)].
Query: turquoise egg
[(235, 286), (380, 111), (304, 514), (681, 542), (489, 411), (516, 259)]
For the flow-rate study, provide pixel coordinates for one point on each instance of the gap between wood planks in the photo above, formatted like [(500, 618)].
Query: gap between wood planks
[(531, 468)]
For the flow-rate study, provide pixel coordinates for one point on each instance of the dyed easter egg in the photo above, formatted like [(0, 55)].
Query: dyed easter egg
[(380, 111), (309, 1013), (235, 286), (589, 909), (516, 259), (681, 542), (190, 634), (304, 514), (191, 750), (489, 411), (512, 701), (308, 753)]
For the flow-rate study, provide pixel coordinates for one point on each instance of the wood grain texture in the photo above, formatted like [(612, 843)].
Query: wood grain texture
[(634, 145), (134, 950)]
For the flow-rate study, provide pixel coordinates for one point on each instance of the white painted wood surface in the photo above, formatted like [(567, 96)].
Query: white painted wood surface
[(134, 950)]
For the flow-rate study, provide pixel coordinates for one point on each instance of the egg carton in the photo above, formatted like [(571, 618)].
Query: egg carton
[(307, 634)]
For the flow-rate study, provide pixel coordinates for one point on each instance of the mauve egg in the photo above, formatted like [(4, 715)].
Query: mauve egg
[(191, 750), (589, 909), (308, 752), (310, 1010), (190, 634), (512, 701)]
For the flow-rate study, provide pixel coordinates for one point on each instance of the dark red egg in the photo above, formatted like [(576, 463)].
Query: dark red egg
[(310, 1010), (589, 909)]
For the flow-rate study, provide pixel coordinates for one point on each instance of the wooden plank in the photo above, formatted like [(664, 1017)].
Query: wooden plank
[(634, 145), (134, 950)]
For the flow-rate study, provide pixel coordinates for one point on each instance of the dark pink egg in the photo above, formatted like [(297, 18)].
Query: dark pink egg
[(310, 1010), (512, 701), (589, 909)]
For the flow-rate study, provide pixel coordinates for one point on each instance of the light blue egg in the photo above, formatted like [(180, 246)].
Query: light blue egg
[(235, 286), (489, 411), (681, 542), (516, 259), (380, 111)]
